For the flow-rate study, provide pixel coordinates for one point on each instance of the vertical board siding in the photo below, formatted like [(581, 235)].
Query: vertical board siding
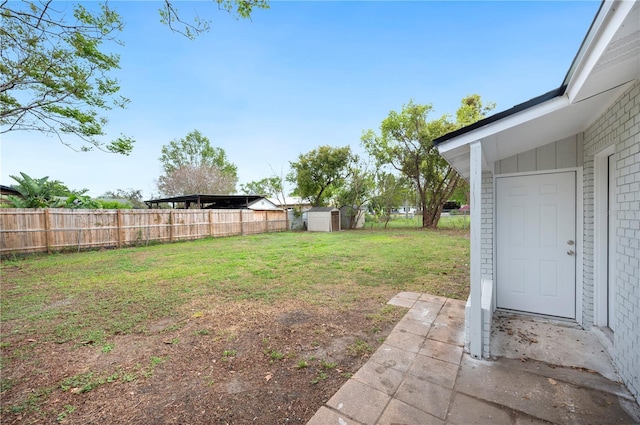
[(40, 230), (565, 153)]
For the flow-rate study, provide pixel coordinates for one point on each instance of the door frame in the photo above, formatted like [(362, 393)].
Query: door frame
[(601, 242), (579, 233)]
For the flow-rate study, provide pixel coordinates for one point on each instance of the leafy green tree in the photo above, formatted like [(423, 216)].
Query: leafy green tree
[(82, 202), (55, 70), (358, 190), (471, 110), (57, 188), (318, 174), (272, 187), (269, 186), (192, 165), (406, 144), (390, 192), (195, 26), (195, 150), (54, 75), (133, 196)]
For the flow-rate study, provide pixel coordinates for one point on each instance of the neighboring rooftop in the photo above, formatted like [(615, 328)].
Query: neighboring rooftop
[(7, 190)]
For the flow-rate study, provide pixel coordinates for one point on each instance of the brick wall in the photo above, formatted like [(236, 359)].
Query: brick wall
[(486, 237), (618, 126)]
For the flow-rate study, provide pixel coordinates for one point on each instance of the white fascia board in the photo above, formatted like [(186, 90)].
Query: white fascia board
[(506, 123), (607, 23)]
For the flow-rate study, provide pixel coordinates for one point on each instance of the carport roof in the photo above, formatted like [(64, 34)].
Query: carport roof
[(209, 201)]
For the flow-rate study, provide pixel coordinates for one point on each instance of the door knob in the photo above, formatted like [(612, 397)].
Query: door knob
[(570, 252), (570, 242)]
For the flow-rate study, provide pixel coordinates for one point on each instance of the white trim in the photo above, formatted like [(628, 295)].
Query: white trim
[(610, 18), (579, 245), (531, 173), (495, 240), (505, 123), (475, 311), (600, 239), (578, 62)]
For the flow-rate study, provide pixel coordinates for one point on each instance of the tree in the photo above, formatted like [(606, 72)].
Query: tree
[(390, 192), (357, 191), (319, 173), (406, 144), (133, 196), (238, 8), (269, 186), (192, 165), (471, 110), (54, 76), (195, 150), (191, 179), (55, 71)]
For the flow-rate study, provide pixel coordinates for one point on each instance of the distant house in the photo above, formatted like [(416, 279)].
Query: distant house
[(555, 189), (291, 202), (406, 210), (323, 219)]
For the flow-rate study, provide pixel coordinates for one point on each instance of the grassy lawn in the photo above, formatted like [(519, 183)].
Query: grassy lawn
[(400, 222), (91, 295), (87, 302)]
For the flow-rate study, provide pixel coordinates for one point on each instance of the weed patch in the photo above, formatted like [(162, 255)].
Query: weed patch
[(359, 348)]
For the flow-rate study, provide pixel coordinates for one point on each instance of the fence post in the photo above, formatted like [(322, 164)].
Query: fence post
[(47, 230), (119, 230), (171, 226), (211, 223), (241, 224)]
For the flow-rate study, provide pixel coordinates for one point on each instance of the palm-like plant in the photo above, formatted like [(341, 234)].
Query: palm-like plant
[(35, 193)]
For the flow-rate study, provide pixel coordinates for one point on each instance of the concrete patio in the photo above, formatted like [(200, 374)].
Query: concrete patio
[(544, 372)]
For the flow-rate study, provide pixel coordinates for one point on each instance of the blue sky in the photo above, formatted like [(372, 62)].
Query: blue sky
[(303, 74)]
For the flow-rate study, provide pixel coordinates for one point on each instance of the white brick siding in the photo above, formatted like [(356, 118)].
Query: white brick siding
[(618, 126), (486, 239)]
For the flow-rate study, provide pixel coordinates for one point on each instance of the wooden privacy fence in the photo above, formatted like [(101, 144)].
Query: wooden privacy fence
[(54, 229)]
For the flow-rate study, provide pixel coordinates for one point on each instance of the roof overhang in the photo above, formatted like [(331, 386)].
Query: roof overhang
[(607, 64)]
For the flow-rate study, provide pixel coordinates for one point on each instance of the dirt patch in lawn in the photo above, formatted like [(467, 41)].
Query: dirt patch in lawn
[(244, 363)]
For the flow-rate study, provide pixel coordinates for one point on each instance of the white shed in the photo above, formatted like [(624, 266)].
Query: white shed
[(323, 219)]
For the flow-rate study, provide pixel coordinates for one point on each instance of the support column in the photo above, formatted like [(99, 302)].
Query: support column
[(475, 313)]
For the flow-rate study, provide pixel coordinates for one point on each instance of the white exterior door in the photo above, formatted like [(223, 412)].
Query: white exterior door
[(535, 252)]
